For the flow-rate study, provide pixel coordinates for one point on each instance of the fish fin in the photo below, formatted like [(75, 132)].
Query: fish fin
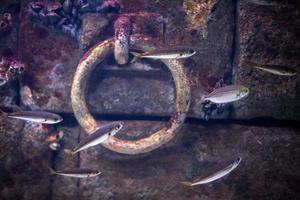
[(249, 63), (69, 152), (52, 172), (136, 57), (203, 98), (186, 183), (16, 108)]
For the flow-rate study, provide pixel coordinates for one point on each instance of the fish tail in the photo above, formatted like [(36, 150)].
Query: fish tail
[(16, 108), (3, 114), (69, 152), (52, 172), (136, 57), (203, 98), (186, 183), (249, 63)]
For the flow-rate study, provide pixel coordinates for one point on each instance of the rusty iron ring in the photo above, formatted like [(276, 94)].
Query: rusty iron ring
[(87, 64)]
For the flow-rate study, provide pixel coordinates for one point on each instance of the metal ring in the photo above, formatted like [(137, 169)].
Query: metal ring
[(87, 64)]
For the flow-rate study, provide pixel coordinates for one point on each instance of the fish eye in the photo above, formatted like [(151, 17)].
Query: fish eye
[(12, 70), (191, 51), (7, 16), (21, 70), (3, 24), (118, 127)]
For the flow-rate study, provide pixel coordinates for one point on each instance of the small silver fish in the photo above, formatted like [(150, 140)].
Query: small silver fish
[(100, 135), (77, 173), (170, 53), (34, 116), (227, 94), (216, 175), (275, 69)]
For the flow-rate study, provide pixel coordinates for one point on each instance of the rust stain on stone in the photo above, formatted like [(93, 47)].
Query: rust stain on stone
[(198, 12)]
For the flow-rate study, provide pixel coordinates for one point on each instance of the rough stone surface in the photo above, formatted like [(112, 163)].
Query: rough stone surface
[(196, 150), (270, 154), (9, 40), (205, 69), (92, 29), (8, 94), (10, 135), (199, 13), (52, 58), (24, 170), (141, 94), (208, 66), (263, 40), (62, 187), (8, 48)]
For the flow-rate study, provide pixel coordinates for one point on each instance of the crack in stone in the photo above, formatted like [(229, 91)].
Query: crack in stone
[(259, 121), (234, 57), (78, 162)]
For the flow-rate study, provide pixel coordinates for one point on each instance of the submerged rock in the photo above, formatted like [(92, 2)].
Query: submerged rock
[(8, 94), (24, 172), (10, 135), (8, 49), (263, 40), (63, 161), (93, 26), (196, 150), (51, 58), (199, 13)]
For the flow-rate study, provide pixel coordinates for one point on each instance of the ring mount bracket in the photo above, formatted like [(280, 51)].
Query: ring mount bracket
[(131, 23), (84, 69), (122, 28), (146, 23)]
